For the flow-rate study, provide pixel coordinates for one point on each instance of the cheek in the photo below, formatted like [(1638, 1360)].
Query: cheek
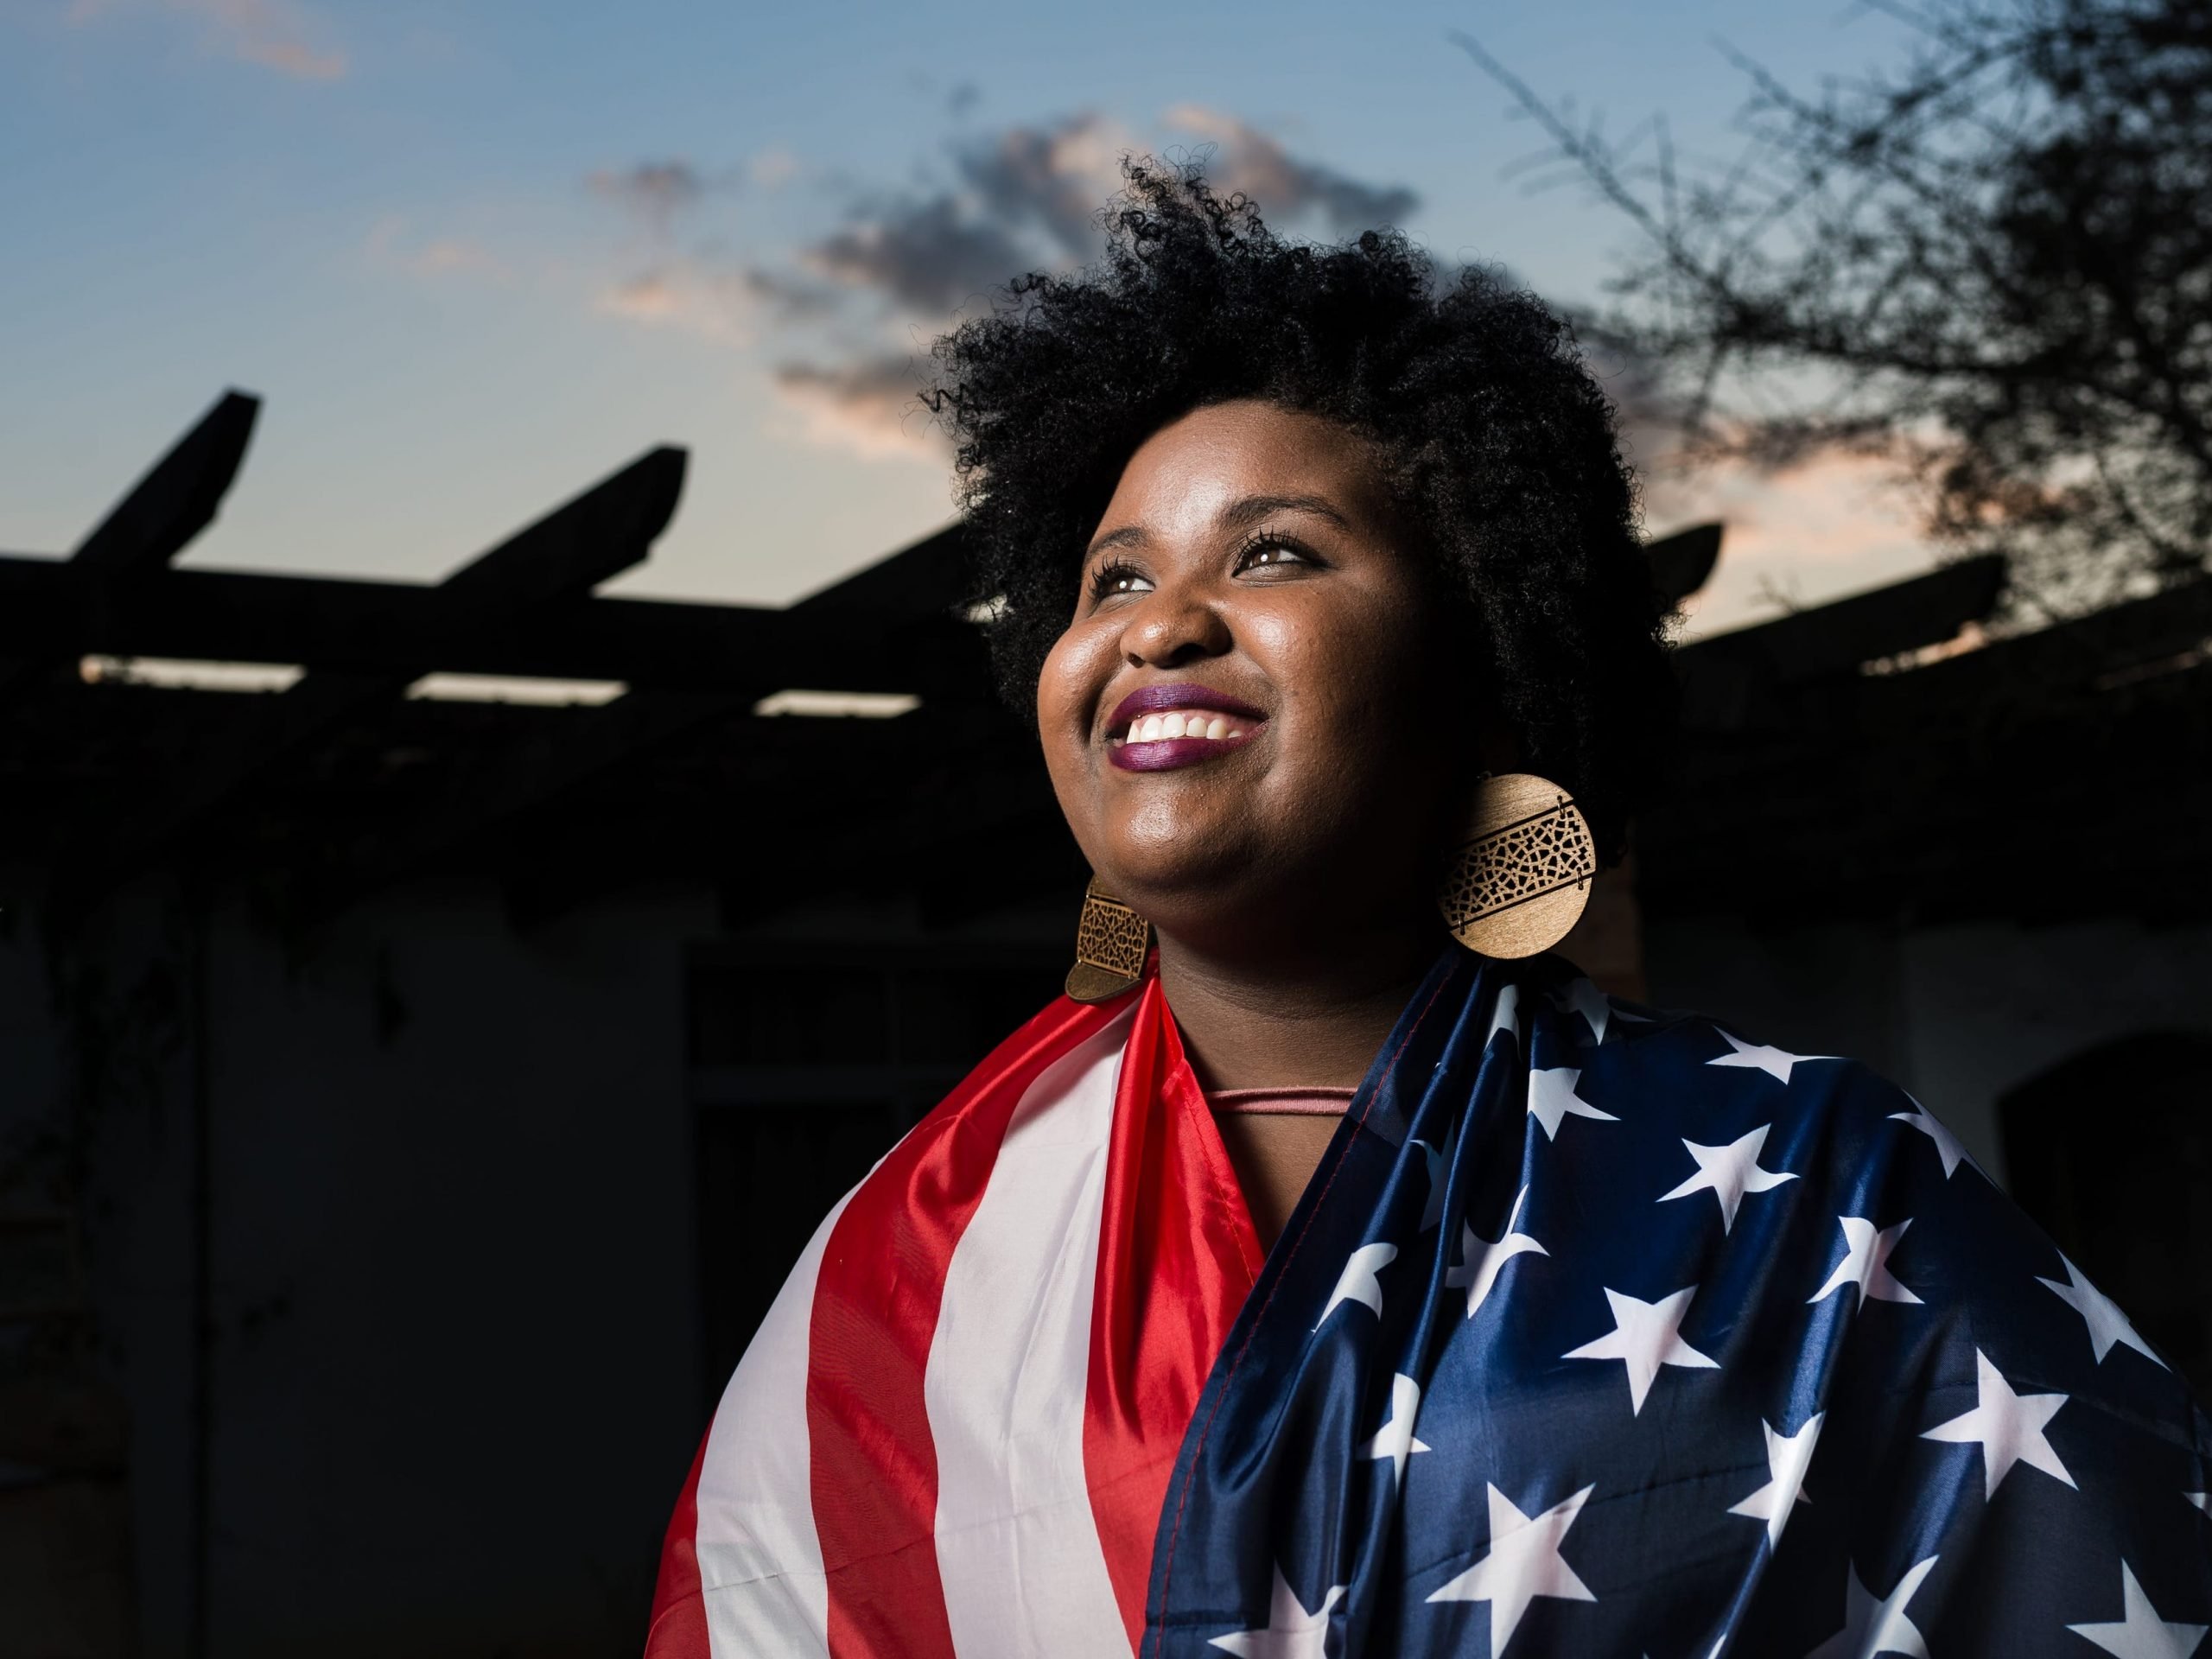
[(1363, 672), (1067, 693), (1062, 685)]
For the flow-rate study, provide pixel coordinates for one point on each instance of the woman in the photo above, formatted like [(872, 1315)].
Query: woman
[(1326, 1286)]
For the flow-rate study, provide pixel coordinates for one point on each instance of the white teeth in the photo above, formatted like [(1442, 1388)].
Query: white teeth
[(1197, 723)]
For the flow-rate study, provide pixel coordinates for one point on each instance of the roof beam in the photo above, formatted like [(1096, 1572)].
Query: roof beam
[(925, 578), (177, 499), (585, 541), (893, 611), (394, 627), (155, 521), (1681, 562), (1724, 677), (890, 627), (608, 529), (1837, 637)]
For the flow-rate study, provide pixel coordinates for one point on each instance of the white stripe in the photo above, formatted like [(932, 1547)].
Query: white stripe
[(759, 1558), (1017, 1547)]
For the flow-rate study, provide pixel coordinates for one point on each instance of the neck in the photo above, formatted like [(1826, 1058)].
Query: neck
[(1316, 1019)]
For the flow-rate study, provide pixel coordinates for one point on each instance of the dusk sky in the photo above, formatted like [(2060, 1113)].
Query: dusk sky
[(474, 256)]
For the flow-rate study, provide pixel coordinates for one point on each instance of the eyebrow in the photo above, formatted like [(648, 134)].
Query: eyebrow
[(1239, 515)]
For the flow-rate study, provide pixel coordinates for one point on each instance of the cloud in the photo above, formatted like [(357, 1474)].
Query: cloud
[(1283, 186), (773, 168), (274, 34), (449, 255), (696, 296), (1032, 195), (1054, 178), (1798, 535), (903, 261), (1801, 535), (453, 254), (650, 297), (793, 298), (926, 254), (871, 407), (656, 192)]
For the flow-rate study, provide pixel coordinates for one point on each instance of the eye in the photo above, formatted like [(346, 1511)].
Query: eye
[(1116, 577), (1272, 551)]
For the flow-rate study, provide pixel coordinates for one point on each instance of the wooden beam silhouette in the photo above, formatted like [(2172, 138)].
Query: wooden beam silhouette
[(156, 519), (177, 499), (871, 615), (600, 533), (237, 616)]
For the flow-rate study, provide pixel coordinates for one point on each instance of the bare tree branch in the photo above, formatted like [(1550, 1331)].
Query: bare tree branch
[(1991, 265)]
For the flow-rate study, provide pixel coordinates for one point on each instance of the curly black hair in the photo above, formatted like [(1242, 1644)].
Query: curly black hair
[(1499, 444)]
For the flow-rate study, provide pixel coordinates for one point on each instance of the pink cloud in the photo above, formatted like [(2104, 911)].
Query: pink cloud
[(1801, 537), (714, 301), (273, 34), (451, 256), (872, 409)]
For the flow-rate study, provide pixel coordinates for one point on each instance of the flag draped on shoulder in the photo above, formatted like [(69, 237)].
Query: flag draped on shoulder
[(1597, 1330), (953, 1432)]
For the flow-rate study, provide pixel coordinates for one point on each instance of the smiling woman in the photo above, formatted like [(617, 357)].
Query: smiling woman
[(1264, 1296)]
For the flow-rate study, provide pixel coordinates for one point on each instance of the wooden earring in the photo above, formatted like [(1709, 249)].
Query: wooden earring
[(1521, 873), (1112, 942)]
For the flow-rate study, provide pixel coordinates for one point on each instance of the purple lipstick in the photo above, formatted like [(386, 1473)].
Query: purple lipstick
[(1160, 727)]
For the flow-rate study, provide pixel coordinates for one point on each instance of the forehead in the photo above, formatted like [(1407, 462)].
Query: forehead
[(1184, 475)]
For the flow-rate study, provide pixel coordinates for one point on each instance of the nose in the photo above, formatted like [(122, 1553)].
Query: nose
[(1174, 625)]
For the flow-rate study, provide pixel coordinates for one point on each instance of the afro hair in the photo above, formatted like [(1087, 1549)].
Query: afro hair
[(1499, 445)]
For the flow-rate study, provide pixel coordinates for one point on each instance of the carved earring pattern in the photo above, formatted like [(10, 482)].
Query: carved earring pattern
[(1522, 874), (1111, 944)]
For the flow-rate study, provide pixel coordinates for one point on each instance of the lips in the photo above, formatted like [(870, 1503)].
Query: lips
[(1179, 695), (1161, 727)]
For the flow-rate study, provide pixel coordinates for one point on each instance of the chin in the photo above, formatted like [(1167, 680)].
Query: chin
[(1201, 888), (1162, 880)]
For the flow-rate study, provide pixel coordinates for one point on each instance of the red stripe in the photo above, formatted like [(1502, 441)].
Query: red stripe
[(679, 1626), (1177, 1256), (874, 1466)]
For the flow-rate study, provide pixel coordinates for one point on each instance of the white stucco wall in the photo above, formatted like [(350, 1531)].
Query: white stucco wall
[(1993, 1005), (1959, 1015)]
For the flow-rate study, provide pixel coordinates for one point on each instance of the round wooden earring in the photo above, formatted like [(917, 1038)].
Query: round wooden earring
[(1519, 880), (1111, 944)]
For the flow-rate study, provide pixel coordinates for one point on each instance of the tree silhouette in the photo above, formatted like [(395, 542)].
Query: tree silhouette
[(1991, 266)]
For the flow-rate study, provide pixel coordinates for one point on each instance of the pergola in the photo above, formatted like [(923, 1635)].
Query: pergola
[(1837, 757), (340, 784)]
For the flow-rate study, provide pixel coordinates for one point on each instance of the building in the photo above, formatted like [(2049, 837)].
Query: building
[(408, 1103)]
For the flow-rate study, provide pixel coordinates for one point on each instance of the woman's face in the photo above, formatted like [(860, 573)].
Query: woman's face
[(1247, 722)]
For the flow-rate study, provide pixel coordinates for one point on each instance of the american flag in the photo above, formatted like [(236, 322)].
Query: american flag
[(1600, 1331)]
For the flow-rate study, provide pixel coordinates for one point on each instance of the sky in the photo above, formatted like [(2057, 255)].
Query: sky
[(475, 257)]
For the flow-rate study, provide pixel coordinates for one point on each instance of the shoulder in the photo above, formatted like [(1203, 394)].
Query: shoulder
[(1887, 1205), (1704, 1074)]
